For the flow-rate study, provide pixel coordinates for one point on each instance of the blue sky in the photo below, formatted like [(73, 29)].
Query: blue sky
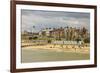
[(53, 19)]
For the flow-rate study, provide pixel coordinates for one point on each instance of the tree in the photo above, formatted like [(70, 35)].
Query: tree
[(49, 41), (35, 37), (87, 40), (30, 38)]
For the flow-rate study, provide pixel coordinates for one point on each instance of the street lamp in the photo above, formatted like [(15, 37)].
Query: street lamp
[(32, 30)]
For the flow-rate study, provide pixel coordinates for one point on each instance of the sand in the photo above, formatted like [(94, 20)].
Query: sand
[(58, 48)]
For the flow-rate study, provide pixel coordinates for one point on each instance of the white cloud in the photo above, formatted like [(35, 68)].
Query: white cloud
[(41, 20)]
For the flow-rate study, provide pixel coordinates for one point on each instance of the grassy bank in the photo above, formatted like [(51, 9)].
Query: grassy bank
[(40, 55)]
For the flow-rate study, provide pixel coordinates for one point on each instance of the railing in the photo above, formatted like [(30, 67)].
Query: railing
[(67, 42)]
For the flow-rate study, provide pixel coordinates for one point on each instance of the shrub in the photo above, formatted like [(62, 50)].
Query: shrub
[(34, 38), (87, 40), (49, 41)]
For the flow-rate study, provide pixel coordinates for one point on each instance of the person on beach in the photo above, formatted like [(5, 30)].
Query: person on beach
[(79, 41)]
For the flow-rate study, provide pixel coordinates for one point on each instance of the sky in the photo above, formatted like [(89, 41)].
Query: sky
[(36, 20)]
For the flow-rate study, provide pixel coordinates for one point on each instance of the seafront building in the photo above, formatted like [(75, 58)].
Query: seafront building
[(66, 33)]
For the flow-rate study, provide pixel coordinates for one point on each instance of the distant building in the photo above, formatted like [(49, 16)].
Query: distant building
[(35, 34), (27, 35), (58, 33), (45, 32), (67, 33), (71, 33)]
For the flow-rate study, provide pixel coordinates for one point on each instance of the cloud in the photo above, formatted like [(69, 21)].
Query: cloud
[(53, 19)]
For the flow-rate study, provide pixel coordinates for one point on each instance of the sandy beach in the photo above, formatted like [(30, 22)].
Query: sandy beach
[(58, 48), (32, 52)]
